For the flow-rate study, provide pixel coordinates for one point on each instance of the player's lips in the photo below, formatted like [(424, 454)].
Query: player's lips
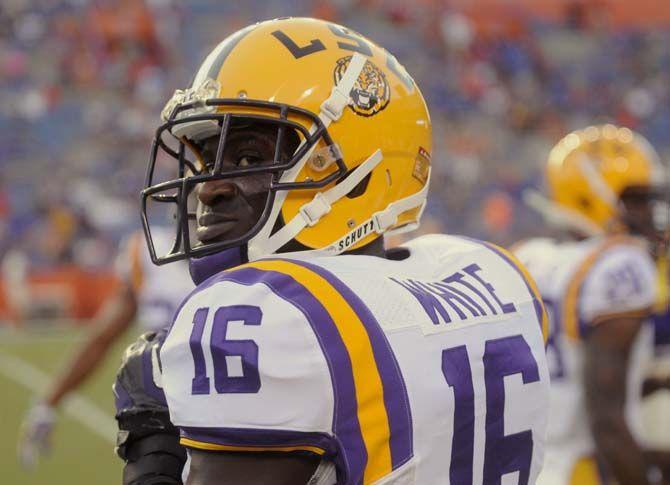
[(212, 225), (211, 218)]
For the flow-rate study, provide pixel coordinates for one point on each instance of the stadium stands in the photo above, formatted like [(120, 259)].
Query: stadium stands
[(85, 82)]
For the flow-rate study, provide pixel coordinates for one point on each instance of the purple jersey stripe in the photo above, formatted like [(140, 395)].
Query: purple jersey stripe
[(662, 328), (396, 400), (351, 457), (260, 438)]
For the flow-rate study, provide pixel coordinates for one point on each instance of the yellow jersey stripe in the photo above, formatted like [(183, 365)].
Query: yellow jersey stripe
[(570, 310), (585, 472), (201, 445), (532, 286), (640, 313), (372, 414)]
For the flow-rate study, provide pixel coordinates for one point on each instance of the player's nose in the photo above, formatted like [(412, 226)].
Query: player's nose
[(215, 191)]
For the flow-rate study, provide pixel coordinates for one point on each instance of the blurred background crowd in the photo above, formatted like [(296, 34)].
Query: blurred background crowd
[(83, 83)]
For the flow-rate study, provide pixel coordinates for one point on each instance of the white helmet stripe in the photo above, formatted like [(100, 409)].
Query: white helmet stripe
[(596, 181)]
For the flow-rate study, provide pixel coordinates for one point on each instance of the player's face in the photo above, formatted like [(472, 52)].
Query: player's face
[(646, 212), (229, 208)]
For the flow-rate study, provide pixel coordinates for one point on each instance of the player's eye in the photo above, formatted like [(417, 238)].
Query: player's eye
[(247, 160)]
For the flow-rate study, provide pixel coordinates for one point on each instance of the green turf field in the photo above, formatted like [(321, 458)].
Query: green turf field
[(79, 455)]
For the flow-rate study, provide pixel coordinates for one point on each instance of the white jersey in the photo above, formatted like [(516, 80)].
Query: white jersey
[(158, 289), (428, 370), (584, 283)]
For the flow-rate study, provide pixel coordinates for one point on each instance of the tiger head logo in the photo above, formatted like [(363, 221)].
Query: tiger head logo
[(371, 92)]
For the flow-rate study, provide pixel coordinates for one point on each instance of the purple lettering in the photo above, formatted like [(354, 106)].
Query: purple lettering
[(428, 301), (458, 372), (200, 383), (448, 294), (472, 271), (506, 453), (459, 278), (247, 350)]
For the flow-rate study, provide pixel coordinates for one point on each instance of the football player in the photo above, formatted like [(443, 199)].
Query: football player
[(599, 288), (148, 294), (326, 358)]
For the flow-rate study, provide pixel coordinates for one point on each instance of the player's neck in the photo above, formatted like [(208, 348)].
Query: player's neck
[(375, 248)]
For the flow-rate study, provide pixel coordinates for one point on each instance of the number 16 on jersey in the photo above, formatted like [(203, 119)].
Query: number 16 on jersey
[(503, 453)]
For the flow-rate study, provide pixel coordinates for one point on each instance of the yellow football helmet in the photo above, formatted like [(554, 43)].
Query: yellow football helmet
[(360, 119), (591, 171)]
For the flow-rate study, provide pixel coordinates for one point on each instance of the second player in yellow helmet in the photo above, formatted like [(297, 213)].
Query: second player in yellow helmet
[(594, 172), (599, 284)]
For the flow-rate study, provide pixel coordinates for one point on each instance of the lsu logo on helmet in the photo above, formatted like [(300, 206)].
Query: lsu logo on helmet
[(371, 92)]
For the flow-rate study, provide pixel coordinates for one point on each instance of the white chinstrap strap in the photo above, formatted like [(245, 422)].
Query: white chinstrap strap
[(384, 220), (333, 107), (331, 111), (310, 213), (314, 210), (338, 100), (380, 222)]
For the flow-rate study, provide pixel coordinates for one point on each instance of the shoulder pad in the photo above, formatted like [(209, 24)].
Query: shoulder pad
[(618, 278)]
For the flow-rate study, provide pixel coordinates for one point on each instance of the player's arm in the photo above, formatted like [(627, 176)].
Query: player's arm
[(147, 441), (605, 370), (616, 299), (252, 468), (109, 324), (112, 321)]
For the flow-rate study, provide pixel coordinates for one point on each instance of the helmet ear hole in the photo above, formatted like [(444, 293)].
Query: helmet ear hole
[(584, 203), (360, 187)]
